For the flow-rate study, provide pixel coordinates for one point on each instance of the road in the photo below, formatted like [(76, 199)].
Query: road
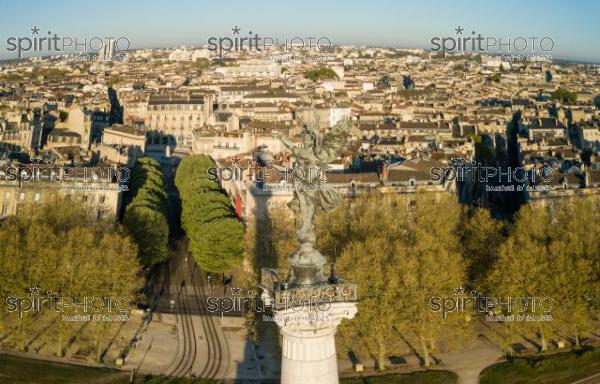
[(201, 347)]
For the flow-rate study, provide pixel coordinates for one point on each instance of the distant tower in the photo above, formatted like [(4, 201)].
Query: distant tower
[(107, 51)]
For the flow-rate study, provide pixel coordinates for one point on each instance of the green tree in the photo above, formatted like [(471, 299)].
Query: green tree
[(149, 228), (217, 246), (481, 237), (577, 251), (282, 235), (522, 265), (367, 253), (120, 280), (549, 254), (402, 251), (216, 235), (64, 250), (430, 263), (201, 64), (564, 95), (323, 73), (368, 263), (146, 214)]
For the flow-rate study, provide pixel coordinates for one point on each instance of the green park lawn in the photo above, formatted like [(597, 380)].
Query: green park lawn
[(562, 368), (421, 377), (16, 370)]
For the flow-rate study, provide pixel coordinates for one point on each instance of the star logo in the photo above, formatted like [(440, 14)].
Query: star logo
[(34, 291), (236, 291), (459, 30), (235, 160), (35, 30), (459, 291), (236, 30)]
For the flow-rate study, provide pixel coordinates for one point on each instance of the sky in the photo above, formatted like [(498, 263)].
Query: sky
[(573, 26)]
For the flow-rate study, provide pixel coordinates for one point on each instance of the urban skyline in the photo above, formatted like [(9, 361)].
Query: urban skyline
[(314, 193), (388, 24)]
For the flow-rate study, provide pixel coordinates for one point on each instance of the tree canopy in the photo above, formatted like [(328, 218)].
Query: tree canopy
[(146, 214), (216, 235), (564, 95), (323, 73), (63, 250)]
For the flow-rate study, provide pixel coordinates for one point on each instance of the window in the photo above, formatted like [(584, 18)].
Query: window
[(102, 199), (36, 197), (7, 195), (21, 196), (84, 198), (4, 209)]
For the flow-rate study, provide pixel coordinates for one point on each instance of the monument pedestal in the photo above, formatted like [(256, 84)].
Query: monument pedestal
[(308, 316), (308, 350)]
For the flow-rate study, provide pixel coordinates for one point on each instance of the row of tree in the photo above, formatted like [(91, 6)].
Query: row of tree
[(403, 251), (59, 249), (400, 253), (215, 233), (146, 214), (551, 252)]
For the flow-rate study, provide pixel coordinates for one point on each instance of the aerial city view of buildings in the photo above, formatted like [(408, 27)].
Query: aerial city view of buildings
[(299, 210)]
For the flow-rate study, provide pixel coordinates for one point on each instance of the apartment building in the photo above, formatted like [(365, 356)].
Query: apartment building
[(176, 117)]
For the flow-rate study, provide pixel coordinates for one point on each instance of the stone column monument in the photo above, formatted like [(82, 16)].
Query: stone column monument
[(310, 303)]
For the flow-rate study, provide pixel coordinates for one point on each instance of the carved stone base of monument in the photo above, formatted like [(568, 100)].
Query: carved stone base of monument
[(308, 350), (308, 316)]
